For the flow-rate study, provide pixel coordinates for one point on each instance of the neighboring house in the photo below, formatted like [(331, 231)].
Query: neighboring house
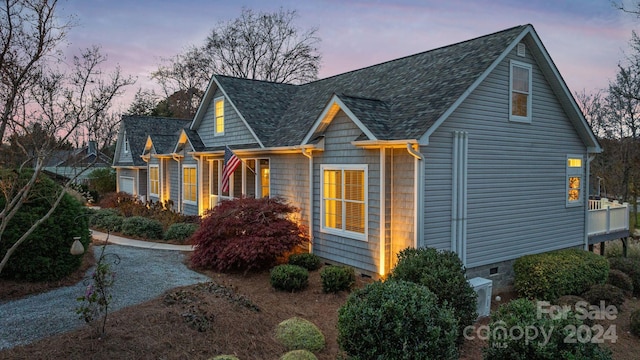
[(77, 163), (133, 140), (476, 147)]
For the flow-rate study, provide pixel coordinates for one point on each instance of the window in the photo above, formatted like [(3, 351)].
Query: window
[(520, 92), (154, 180), (189, 184), (126, 143), (219, 115), (264, 178), (574, 185), (344, 200)]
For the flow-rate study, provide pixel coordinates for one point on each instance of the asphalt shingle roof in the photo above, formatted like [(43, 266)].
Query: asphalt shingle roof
[(164, 132), (398, 99)]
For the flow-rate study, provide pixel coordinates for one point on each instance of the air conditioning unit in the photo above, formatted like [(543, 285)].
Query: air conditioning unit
[(483, 288)]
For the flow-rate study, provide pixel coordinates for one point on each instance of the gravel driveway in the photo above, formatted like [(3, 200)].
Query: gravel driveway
[(141, 275)]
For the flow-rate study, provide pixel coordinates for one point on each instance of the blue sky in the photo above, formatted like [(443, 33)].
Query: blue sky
[(586, 38)]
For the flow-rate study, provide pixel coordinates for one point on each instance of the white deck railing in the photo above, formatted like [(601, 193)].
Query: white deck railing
[(607, 216)]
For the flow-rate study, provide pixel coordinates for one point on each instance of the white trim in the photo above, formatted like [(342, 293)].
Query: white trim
[(188, 166), (215, 117), (329, 113), (459, 194), (529, 68), (345, 233), (383, 213), (575, 172)]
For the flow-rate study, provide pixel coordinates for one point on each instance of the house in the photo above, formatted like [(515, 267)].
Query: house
[(76, 163), (134, 140), (477, 147)]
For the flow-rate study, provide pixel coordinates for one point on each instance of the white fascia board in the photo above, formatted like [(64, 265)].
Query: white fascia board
[(323, 120), (204, 104)]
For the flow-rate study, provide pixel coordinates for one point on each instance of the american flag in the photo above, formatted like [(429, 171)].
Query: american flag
[(231, 162)]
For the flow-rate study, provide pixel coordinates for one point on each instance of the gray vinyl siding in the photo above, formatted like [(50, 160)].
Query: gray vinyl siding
[(516, 174), (124, 157), (142, 183), (339, 150), (289, 177), (174, 170), (235, 130)]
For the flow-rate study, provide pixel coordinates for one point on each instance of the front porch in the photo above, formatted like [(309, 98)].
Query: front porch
[(608, 220)]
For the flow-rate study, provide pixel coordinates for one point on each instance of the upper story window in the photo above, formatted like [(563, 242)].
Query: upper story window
[(344, 200), (574, 184), (126, 143), (154, 180), (520, 92), (219, 116)]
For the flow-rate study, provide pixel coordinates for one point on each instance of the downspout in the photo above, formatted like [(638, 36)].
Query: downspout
[(307, 153), (586, 201), (418, 192)]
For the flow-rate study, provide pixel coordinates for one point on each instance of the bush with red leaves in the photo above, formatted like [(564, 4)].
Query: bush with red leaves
[(246, 234)]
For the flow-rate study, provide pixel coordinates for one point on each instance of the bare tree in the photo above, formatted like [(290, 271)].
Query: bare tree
[(29, 32), (61, 103), (260, 46)]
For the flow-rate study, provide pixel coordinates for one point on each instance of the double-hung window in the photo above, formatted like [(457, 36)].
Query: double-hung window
[(219, 116), (344, 200), (575, 184), (189, 184), (154, 180), (520, 92)]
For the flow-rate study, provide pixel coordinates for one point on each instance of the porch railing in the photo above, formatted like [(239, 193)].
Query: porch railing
[(607, 216)]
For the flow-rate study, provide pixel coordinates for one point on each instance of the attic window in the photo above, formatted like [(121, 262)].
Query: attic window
[(521, 50), (219, 116), (126, 143), (520, 92)]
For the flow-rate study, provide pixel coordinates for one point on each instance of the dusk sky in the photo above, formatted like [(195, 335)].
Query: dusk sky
[(586, 38)]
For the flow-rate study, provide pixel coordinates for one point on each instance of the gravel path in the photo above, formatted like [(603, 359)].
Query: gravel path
[(141, 275)]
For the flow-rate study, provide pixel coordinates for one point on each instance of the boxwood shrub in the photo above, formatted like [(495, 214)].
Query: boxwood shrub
[(288, 277), (629, 266), (621, 280), (180, 231), (308, 261), (443, 273), (337, 278), (505, 342), (550, 275), (106, 220), (142, 227), (396, 320), (608, 293), (44, 256)]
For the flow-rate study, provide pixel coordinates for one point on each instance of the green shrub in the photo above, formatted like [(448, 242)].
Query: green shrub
[(300, 334), (180, 231), (396, 320), (246, 234), (441, 272), (337, 278), (550, 275), (102, 181), (142, 227), (308, 261), (299, 355), (107, 220), (635, 322), (44, 256), (225, 357), (629, 266), (621, 280), (504, 342), (289, 277), (569, 300), (611, 295)]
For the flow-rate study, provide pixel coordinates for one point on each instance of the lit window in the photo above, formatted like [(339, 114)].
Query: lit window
[(574, 180), (219, 115), (189, 184), (520, 90), (264, 178), (344, 200), (154, 180)]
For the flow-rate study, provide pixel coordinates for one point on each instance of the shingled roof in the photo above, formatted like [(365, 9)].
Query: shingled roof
[(398, 99), (163, 130)]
